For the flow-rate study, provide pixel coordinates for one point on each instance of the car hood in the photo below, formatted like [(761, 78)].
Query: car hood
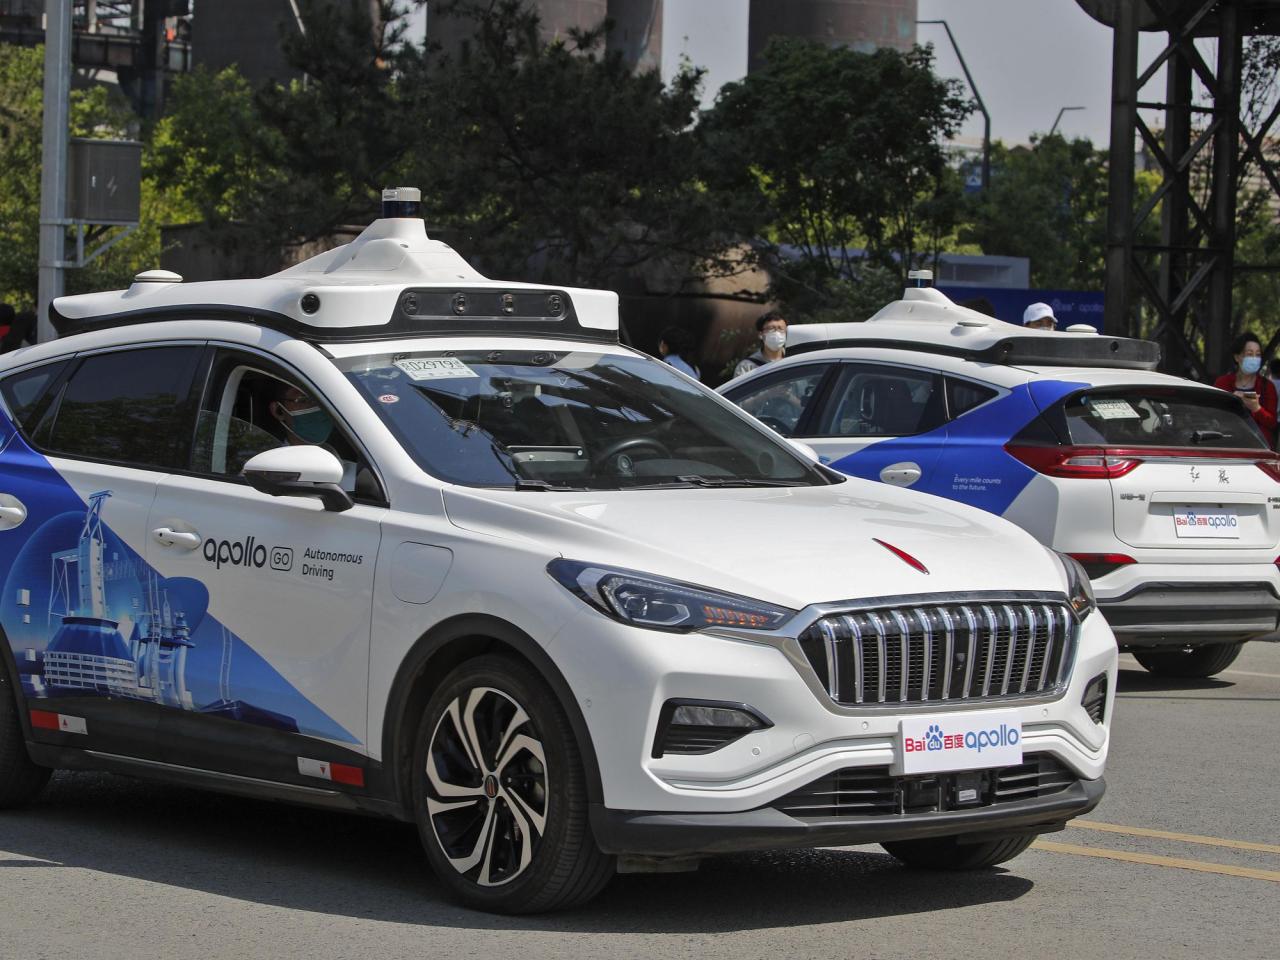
[(792, 546)]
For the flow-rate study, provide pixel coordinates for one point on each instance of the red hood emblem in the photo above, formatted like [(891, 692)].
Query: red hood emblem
[(902, 555)]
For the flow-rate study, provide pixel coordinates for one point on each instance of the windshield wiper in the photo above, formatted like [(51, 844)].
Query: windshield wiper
[(700, 481), (1200, 436), (523, 484)]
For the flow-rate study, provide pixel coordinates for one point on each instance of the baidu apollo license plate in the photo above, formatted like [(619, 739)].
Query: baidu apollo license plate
[(959, 741)]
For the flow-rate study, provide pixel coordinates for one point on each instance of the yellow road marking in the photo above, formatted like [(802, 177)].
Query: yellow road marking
[(1177, 862), (1170, 835), (1249, 673)]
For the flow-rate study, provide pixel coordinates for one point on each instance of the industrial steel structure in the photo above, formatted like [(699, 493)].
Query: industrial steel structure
[(1175, 286)]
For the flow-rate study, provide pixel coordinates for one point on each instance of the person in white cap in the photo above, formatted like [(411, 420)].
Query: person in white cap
[(1039, 316)]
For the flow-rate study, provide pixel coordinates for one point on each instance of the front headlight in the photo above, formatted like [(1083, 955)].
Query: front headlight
[(1079, 589), (643, 600)]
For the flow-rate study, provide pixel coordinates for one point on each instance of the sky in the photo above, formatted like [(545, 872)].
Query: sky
[(1029, 58)]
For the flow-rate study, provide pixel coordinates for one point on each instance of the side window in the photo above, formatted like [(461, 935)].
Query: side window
[(877, 400), (780, 400), (251, 405), (963, 396), (126, 406), (27, 394)]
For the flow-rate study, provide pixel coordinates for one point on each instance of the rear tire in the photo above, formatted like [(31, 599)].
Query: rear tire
[(500, 795), (20, 780), (946, 853), (1200, 662)]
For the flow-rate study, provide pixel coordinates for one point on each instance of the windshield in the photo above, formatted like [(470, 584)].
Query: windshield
[(539, 420)]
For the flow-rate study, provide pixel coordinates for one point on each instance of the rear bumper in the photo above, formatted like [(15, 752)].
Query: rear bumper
[(1161, 614), (694, 834)]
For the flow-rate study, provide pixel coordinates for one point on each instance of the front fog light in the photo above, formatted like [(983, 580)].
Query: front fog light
[(692, 727), (1094, 699)]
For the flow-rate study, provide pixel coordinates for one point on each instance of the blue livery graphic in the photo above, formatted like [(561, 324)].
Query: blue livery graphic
[(85, 615), (965, 459)]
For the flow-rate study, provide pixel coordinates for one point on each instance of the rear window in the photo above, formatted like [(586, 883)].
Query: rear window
[(1160, 417)]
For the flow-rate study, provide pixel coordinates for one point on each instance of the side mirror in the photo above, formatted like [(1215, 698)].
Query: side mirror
[(299, 472)]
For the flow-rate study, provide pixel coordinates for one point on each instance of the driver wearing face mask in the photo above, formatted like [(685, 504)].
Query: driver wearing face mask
[(304, 421), (771, 329)]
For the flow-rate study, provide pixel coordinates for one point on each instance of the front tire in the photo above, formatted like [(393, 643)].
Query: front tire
[(499, 793), (946, 853), (20, 780), (1198, 663)]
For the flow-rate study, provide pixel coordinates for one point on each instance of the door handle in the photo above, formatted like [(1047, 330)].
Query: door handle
[(11, 514), (901, 474), (168, 537)]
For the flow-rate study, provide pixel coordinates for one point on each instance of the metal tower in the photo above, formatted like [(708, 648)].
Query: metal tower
[(1174, 284)]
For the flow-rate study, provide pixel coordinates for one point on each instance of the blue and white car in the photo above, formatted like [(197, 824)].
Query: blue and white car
[(1161, 488), (379, 534)]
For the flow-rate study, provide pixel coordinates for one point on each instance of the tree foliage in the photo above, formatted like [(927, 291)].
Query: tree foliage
[(1046, 202), (94, 112), (842, 151)]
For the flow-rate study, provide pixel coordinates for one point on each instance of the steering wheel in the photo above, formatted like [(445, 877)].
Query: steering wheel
[(775, 424), (631, 443)]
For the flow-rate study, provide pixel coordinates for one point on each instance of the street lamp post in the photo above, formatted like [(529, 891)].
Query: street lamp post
[(1058, 119), (53, 168), (982, 107)]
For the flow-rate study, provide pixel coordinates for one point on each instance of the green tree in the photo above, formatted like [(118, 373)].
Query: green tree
[(841, 150), (95, 112), (561, 151), (1046, 202)]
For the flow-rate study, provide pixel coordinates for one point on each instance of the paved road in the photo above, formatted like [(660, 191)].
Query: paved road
[(110, 868)]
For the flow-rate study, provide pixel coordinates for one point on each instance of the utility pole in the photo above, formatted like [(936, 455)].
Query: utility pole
[(977, 98), (53, 167)]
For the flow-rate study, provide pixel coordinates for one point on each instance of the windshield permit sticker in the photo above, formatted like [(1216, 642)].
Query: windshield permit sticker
[(436, 368), (1113, 410)]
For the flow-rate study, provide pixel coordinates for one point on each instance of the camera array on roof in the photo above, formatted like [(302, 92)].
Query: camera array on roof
[(392, 281), (925, 320)]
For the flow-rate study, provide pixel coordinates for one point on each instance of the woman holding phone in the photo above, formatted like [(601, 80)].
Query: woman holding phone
[(1247, 382)]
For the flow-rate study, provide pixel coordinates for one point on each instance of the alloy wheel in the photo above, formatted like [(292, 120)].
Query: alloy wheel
[(487, 786)]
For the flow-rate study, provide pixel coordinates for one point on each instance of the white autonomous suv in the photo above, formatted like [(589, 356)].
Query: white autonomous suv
[(378, 534), (1163, 489)]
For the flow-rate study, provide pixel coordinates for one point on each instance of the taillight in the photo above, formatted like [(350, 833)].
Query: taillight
[(1081, 463), (1100, 564), (1107, 463)]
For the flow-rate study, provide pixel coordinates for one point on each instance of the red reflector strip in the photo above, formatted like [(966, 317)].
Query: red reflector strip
[(44, 720), (1115, 559), (333, 772), (352, 776)]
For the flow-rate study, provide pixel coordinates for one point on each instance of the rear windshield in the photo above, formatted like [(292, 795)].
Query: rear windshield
[(1160, 417)]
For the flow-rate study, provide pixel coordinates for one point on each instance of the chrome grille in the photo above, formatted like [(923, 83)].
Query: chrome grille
[(931, 653)]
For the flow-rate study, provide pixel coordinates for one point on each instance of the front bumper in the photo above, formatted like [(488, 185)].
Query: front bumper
[(623, 675), (1156, 614), (693, 834)]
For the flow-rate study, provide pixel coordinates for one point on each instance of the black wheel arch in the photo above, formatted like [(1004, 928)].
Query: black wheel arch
[(9, 669), (438, 651)]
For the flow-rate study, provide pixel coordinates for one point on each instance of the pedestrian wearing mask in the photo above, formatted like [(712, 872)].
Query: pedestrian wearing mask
[(771, 329), (1247, 382)]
